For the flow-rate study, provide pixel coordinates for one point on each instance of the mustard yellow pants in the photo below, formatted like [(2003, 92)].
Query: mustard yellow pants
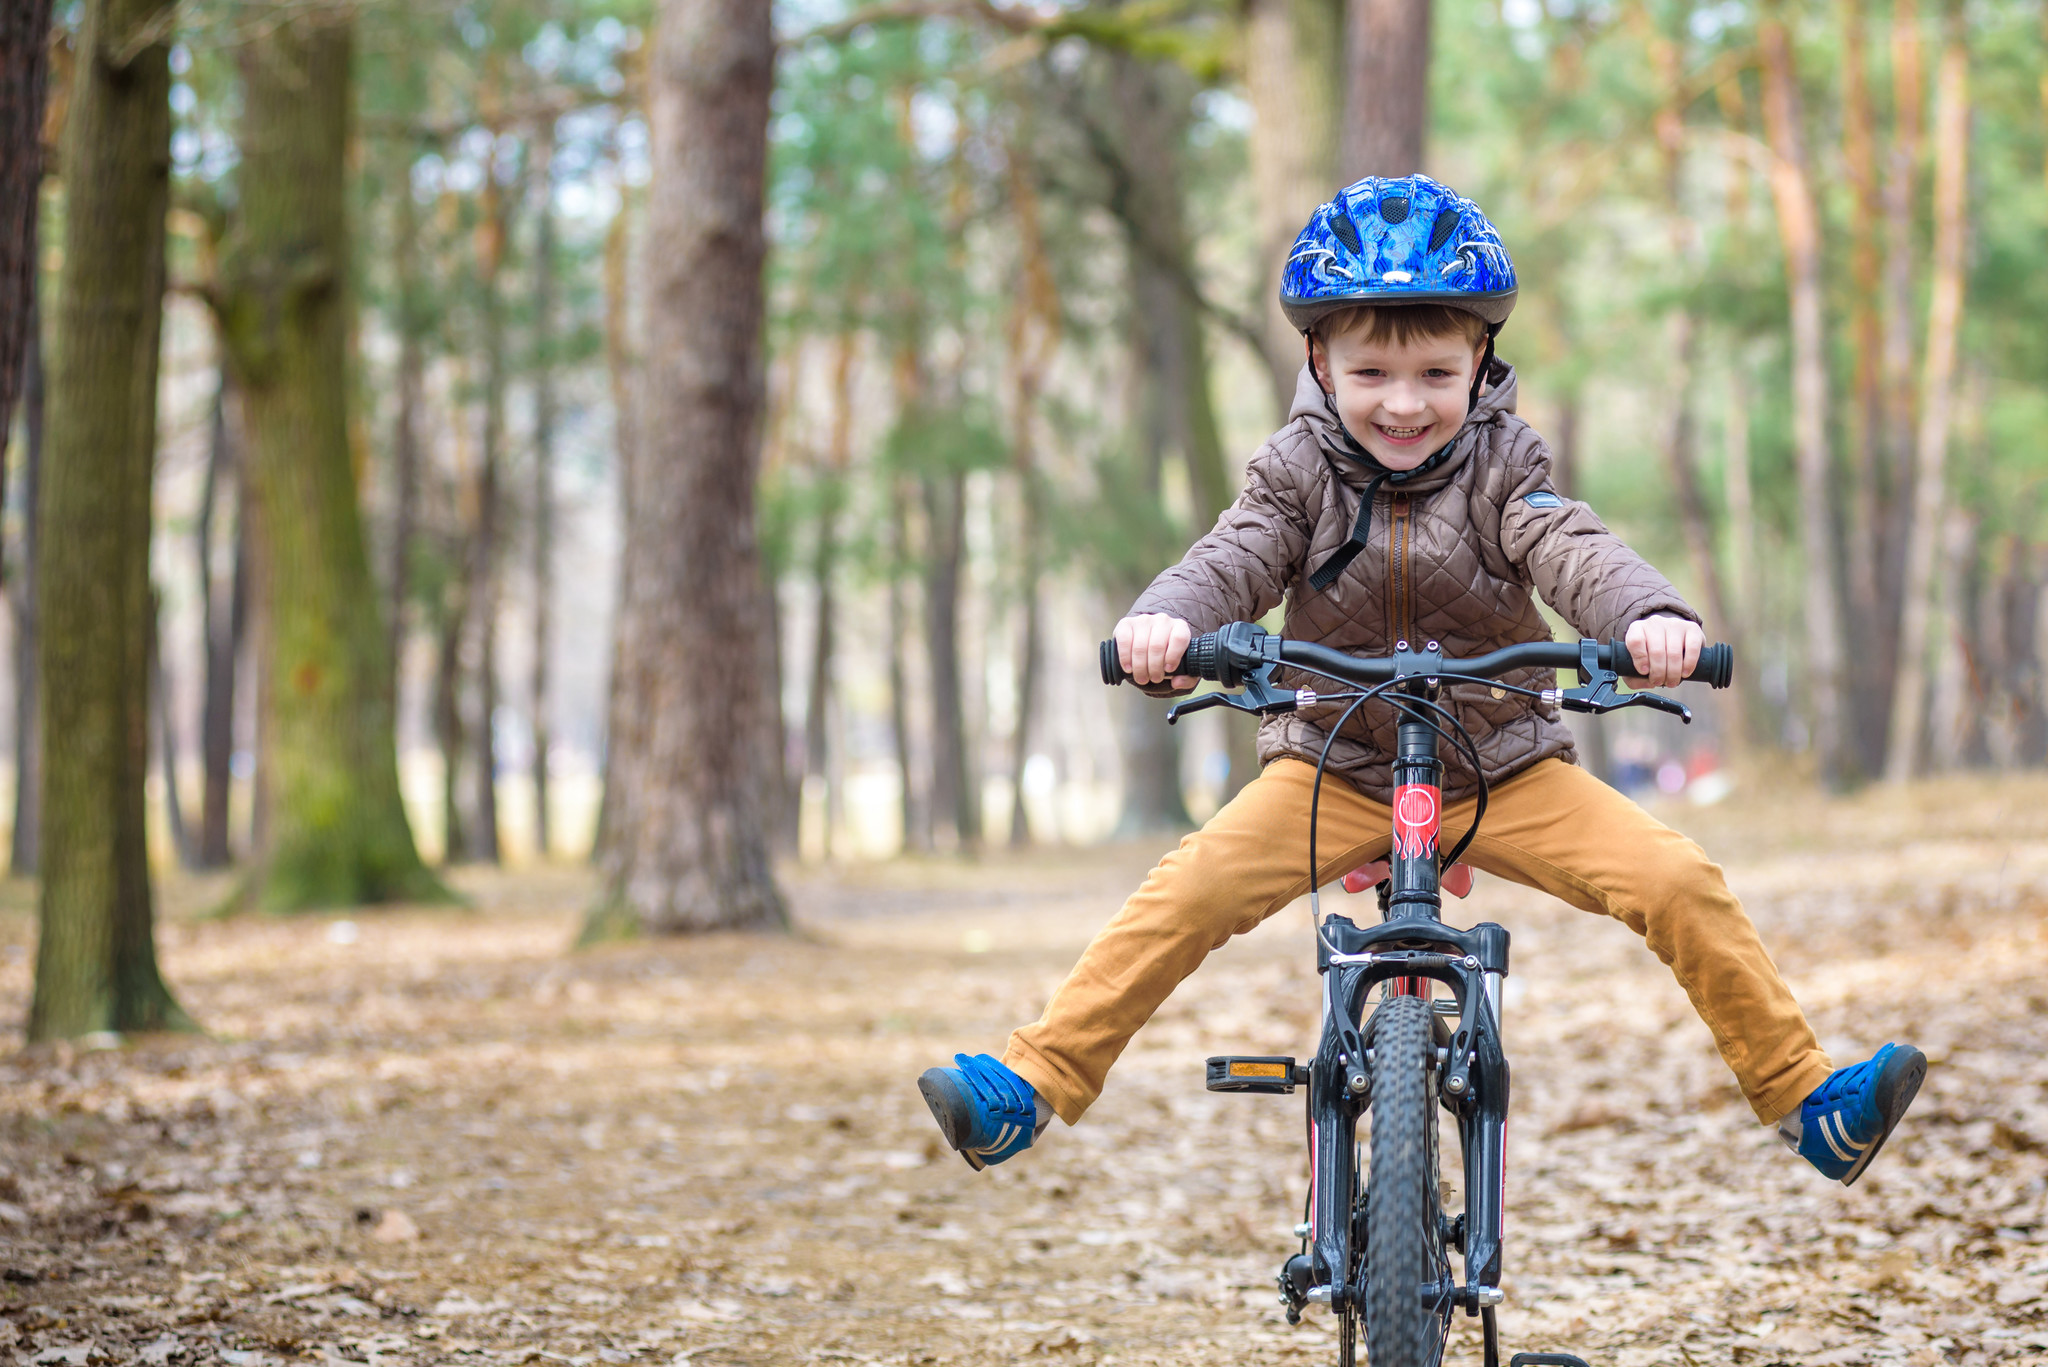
[(1553, 827)]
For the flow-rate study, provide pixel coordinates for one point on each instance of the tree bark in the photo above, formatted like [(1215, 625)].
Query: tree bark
[(1799, 232), (916, 809), (1870, 492), (1899, 408), (405, 436), (1034, 335), (25, 839), (622, 369), (956, 778), (24, 76), (448, 731), (221, 638), (1386, 106), (96, 963), (484, 556), (1294, 73), (1944, 320), (824, 568), (167, 738), (543, 476), (1681, 437), (336, 831), (689, 847)]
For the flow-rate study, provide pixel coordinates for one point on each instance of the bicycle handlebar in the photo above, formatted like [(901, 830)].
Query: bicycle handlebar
[(1207, 657)]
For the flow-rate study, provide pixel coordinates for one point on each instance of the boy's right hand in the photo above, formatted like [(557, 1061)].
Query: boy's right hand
[(1150, 647)]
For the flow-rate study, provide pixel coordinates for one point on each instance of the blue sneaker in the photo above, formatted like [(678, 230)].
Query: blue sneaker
[(986, 1112), (1840, 1128)]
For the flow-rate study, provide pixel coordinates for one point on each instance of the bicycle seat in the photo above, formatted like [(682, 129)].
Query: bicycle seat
[(1457, 879)]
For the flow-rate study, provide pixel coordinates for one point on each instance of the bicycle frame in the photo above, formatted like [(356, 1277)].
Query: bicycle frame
[(1410, 949), (1407, 952)]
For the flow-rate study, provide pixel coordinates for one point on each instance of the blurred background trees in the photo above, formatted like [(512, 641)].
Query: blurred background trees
[(443, 539)]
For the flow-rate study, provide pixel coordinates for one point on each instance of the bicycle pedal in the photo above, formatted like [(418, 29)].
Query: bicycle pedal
[(1264, 1073), (1546, 1360)]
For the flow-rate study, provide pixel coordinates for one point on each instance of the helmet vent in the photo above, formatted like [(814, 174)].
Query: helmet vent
[(1440, 232), (1346, 230), (1394, 208)]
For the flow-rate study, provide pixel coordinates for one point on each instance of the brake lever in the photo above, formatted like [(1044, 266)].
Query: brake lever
[(1258, 697), (1598, 690), (1571, 702)]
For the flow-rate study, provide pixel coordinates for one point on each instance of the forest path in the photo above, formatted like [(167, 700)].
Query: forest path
[(440, 1137)]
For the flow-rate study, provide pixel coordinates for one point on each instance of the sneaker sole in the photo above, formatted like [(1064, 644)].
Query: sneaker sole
[(1897, 1085), (950, 1110)]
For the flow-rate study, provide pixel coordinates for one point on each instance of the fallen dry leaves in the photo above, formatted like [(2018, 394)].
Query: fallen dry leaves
[(441, 1138)]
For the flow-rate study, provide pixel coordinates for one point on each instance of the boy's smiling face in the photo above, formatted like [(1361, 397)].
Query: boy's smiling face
[(1402, 400)]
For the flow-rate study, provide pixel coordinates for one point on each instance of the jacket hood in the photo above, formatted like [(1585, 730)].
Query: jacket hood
[(1317, 411)]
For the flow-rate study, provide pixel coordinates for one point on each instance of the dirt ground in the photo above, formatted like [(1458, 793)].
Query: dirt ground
[(420, 1137)]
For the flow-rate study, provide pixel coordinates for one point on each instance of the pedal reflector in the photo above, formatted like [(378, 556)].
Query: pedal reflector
[(1248, 1074)]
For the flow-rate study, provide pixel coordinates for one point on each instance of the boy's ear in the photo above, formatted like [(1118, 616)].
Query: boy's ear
[(1319, 362)]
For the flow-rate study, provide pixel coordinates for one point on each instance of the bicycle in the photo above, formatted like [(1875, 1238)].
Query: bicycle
[(1376, 1243)]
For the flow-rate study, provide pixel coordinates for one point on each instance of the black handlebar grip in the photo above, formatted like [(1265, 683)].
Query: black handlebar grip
[(1203, 656), (1113, 671), (1716, 667)]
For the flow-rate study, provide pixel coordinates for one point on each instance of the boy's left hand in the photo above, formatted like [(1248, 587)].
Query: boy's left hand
[(1665, 649)]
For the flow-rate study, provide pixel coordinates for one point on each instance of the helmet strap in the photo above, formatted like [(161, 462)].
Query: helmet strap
[(1485, 365)]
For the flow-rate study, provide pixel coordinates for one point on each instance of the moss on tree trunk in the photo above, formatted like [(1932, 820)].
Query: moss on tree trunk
[(335, 831), (96, 961)]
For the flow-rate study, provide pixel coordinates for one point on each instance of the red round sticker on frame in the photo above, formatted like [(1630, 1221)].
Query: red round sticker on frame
[(1416, 810)]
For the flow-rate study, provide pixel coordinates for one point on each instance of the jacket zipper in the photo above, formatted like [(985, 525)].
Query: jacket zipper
[(1398, 539)]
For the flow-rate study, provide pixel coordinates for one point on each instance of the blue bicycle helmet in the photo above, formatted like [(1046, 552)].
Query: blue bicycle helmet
[(1407, 241)]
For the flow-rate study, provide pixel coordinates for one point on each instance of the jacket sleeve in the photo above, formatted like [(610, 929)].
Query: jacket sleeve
[(1240, 570), (1587, 573)]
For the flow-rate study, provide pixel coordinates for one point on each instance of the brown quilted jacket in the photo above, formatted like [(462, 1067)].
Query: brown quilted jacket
[(1456, 556)]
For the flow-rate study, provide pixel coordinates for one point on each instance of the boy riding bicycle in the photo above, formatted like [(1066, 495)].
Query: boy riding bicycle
[(1405, 502)]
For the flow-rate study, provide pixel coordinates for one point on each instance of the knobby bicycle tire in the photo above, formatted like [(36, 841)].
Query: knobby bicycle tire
[(1404, 1250)]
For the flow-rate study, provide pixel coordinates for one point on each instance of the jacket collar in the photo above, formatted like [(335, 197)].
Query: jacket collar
[(1314, 409)]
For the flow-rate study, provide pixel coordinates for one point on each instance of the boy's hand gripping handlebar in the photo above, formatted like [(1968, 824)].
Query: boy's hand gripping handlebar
[(1243, 655)]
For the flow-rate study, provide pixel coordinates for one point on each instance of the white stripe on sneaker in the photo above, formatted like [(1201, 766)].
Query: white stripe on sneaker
[(1838, 1137)]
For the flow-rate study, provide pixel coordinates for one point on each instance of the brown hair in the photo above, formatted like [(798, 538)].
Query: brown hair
[(1401, 324)]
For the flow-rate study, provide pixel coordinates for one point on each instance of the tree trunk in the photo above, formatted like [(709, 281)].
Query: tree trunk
[(956, 779), (1681, 437), (1896, 363), (405, 437), (689, 848), (1742, 553), (1294, 73), (1799, 231), (916, 808), (24, 74), (1034, 337), (1944, 319), (448, 731), (543, 476), (622, 369), (1386, 105), (484, 555), (824, 566), (336, 831), (167, 738), (1870, 492), (96, 958), (28, 732), (1950, 708), (221, 640)]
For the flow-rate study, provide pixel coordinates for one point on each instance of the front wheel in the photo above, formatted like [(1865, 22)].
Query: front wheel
[(1406, 1317)]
